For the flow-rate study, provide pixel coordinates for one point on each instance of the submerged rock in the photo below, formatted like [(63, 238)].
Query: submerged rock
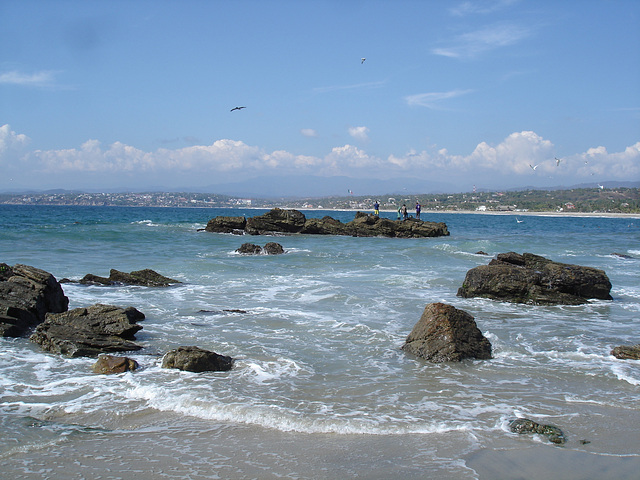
[(446, 334), (27, 294), (271, 248), (145, 278), (533, 279), (87, 332), (195, 359), (524, 425), (627, 352), (281, 221), (109, 364)]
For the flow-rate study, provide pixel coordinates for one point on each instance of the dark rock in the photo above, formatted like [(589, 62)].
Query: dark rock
[(145, 278), (109, 364), (279, 221), (622, 255), (27, 294), (195, 359), (273, 248), (524, 425), (249, 249), (87, 332), (627, 352), (446, 334), (481, 253), (532, 279), (227, 225)]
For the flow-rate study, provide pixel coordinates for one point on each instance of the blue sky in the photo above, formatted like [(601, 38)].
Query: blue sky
[(112, 94)]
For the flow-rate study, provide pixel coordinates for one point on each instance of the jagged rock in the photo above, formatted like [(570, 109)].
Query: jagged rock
[(622, 255), (279, 221), (234, 225), (109, 364), (446, 334), (627, 352), (524, 425), (195, 359), (480, 252), (27, 294), (87, 332), (533, 279), (145, 278), (271, 248)]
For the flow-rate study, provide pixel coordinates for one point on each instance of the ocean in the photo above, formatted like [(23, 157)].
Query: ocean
[(320, 388)]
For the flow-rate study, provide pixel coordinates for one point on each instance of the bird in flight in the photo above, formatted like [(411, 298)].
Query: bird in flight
[(558, 160), (237, 108), (533, 167), (362, 60)]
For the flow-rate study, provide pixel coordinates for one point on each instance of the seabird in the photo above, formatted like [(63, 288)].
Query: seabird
[(558, 160), (518, 220), (533, 167), (362, 60), (601, 187), (237, 108)]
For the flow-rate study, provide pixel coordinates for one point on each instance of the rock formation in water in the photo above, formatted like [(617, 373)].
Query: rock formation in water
[(195, 359), (144, 278), (110, 364), (627, 352), (280, 221), (87, 332), (446, 334), (524, 425), (27, 294), (271, 248), (532, 279)]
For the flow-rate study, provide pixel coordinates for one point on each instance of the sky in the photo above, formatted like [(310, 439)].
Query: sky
[(496, 94)]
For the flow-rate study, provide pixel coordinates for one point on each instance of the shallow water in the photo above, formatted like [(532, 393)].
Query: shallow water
[(318, 361)]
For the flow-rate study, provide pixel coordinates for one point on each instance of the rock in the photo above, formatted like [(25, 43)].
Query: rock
[(524, 425), (27, 294), (279, 221), (271, 248), (195, 359), (234, 225), (145, 278), (532, 279), (446, 334), (622, 255), (109, 364), (87, 332), (627, 352), (480, 252)]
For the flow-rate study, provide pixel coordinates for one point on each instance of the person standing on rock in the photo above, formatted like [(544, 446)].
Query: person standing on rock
[(418, 210), (403, 210), (399, 213), (376, 208)]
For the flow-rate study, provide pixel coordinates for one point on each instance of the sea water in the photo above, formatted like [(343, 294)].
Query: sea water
[(320, 387)]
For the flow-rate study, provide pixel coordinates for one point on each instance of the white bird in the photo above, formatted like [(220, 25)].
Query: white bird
[(362, 60), (533, 167), (518, 220), (558, 160), (601, 187), (237, 108)]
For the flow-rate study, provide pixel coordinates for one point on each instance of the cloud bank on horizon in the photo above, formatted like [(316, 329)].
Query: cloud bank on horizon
[(493, 93)]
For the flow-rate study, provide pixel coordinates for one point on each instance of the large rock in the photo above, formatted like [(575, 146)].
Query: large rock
[(279, 221), (110, 364), (27, 294), (195, 359), (524, 425), (532, 279), (627, 352), (145, 278), (446, 334), (87, 332), (271, 248)]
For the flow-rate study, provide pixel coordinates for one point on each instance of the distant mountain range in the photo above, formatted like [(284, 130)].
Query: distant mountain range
[(318, 187)]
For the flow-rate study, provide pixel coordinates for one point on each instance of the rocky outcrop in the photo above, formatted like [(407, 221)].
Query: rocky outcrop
[(532, 279), (280, 221), (627, 352), (524, 425), (87, 332), (27, 294), (110, 364), (446, 334), (195, 359), (271, 248), (145, 278)]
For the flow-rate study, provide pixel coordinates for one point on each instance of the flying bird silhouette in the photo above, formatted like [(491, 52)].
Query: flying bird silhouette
[(533, 167), (558, 160), (237, 108), (362, 60)]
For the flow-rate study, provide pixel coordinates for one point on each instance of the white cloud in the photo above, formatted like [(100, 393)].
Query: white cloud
[(38, 79), (472, 44), (430, 100), (11, 141), (309, 132), (472, 8), (359, 133)]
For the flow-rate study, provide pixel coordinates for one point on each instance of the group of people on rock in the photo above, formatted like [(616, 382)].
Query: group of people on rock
[(403, 213)]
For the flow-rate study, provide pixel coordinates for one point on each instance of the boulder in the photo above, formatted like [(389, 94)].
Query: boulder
[(533, 279), (627, 352), (271, 248), (223, 224), (109, 364), (280, 221), (145, 278), (195, 359), (87, 332), (27, 294), (446, 334), (524, 425)]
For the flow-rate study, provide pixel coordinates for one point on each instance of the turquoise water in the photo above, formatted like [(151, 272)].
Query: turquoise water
[(318, 359)]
